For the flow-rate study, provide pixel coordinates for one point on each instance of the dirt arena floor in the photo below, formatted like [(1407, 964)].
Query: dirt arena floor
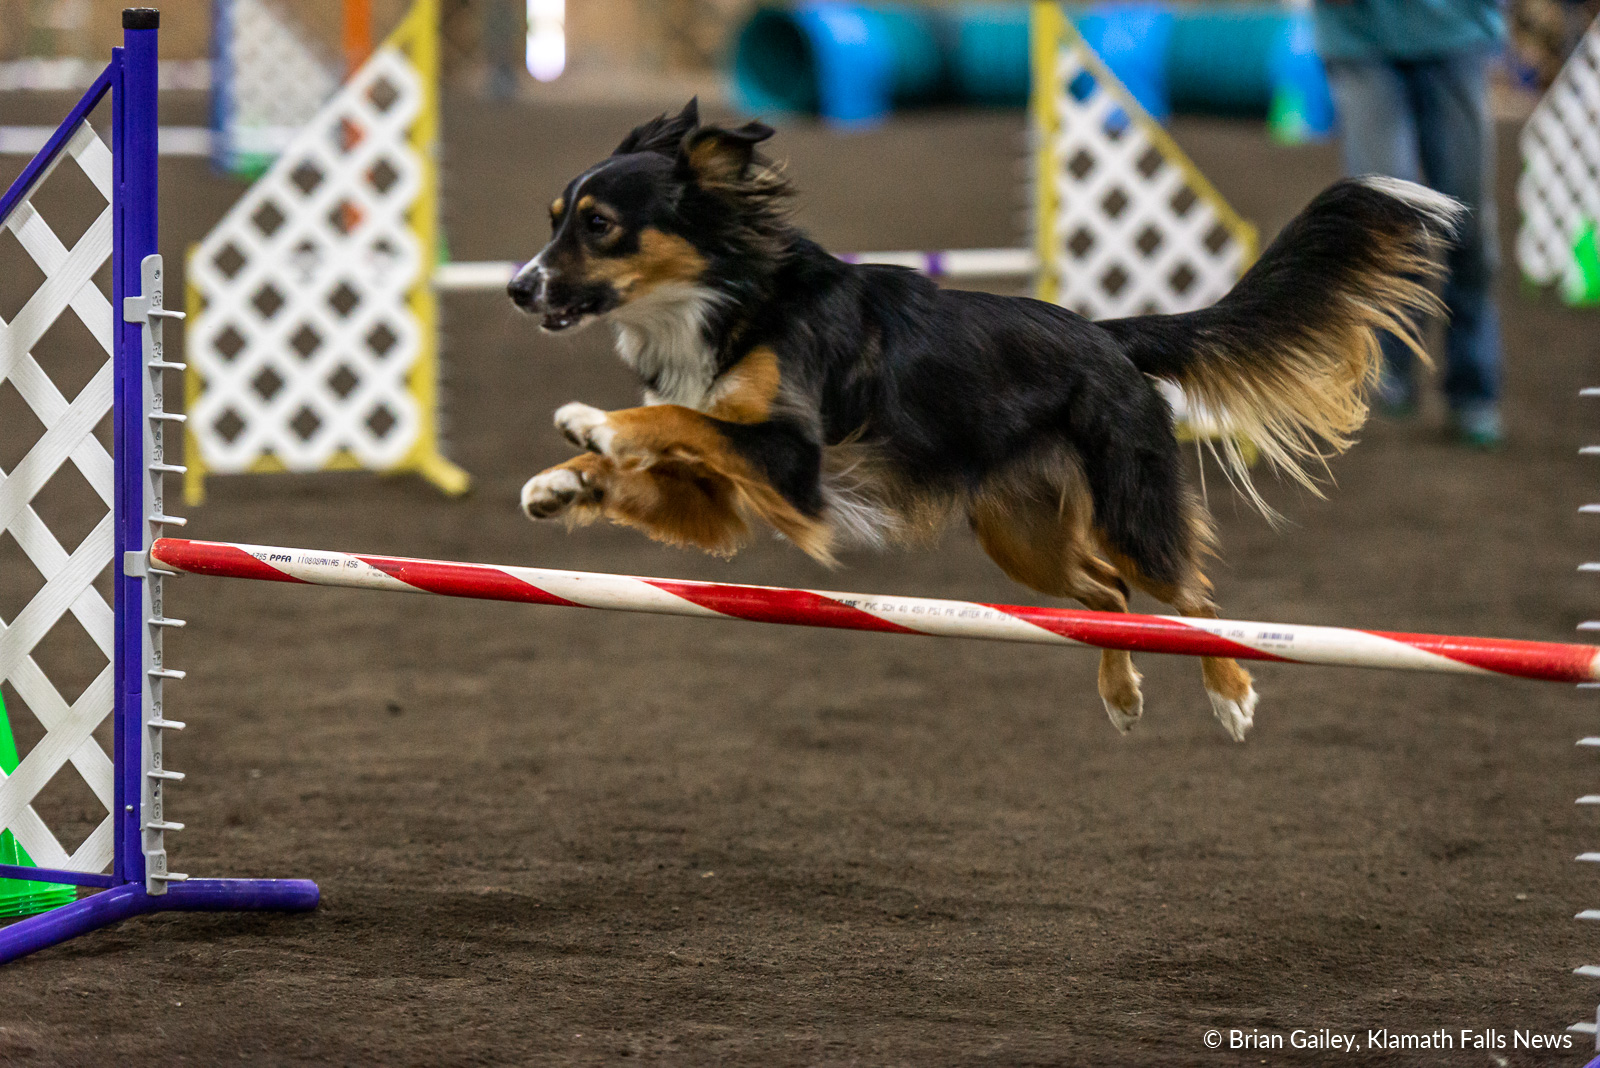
[(559, 837)]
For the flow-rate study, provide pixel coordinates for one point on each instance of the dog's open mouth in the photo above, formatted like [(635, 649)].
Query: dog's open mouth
[(565, 318)]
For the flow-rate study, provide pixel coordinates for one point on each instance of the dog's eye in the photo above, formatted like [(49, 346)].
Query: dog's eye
[(596, 223)]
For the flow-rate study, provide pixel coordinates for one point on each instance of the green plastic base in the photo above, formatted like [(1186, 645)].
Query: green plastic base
[(1582, 286), (1286, 119), (25, 902), (23, 897)]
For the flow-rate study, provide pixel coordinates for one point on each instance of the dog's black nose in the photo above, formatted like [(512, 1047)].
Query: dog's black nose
[(524, 286)]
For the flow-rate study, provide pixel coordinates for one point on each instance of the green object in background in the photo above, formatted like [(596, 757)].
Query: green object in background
[(23, 897), (1287, 121), (1582, 285)]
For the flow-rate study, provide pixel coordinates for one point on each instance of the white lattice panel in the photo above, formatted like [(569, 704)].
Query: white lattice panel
[(276, 81), (1130, 234), (306, 332), (67, 438), (1559, 191)]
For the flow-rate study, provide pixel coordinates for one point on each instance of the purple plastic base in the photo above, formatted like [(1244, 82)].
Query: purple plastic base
[(120, 902)]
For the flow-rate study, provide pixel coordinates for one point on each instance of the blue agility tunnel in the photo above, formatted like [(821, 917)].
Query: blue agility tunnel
[(851, 64), (854, 63)]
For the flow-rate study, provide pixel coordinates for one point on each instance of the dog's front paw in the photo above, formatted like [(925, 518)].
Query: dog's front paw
[(552, 492), (585, 427), (1236, 717)]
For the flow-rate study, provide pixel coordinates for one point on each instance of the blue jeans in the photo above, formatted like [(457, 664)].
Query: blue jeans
[(1428, 121)]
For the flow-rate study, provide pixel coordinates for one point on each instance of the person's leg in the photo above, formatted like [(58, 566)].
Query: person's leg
[(1378, 135), (1456, 139)]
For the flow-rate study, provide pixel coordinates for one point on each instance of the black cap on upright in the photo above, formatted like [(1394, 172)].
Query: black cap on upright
[(141, 18)]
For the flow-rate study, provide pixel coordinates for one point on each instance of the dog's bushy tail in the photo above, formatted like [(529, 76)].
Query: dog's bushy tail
[(1285, 360)]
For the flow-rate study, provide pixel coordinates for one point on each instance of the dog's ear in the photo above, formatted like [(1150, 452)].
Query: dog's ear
[(717, 156), (662, 134)]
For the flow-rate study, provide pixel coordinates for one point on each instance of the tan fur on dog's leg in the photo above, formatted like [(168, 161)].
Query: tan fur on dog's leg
[(1045, 548), (669, 501), (687, 463), (1229, 686), (1232, 692)]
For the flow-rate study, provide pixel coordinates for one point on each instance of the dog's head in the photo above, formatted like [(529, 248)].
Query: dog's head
[(664, 214)]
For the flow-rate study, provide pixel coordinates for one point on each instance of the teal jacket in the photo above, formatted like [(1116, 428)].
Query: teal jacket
[(1406, 29)]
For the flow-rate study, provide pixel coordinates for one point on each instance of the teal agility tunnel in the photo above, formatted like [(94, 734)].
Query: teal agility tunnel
[(854, 63)]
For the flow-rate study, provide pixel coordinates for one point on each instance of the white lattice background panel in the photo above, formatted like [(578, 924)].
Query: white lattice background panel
[(1129, 234), (1559, 190), (306, 331), (277, 81), (68, 289)]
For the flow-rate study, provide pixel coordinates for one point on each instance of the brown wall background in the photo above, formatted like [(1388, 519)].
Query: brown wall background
[(681, 35), (671, 33)]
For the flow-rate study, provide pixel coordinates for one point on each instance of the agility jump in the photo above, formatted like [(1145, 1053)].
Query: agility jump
[(1282, 643)]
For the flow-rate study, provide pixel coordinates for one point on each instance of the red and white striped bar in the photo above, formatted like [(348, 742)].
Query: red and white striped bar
[(1280, 642)]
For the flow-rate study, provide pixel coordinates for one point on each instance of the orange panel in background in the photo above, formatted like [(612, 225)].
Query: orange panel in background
[(357, 33)]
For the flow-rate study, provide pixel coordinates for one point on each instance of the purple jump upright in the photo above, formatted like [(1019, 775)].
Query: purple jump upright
[(124, 858)]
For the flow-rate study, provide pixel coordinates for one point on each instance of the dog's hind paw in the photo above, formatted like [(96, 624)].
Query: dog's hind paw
[(1236, 717), (1123, 717), (552, 492), (585, 426)]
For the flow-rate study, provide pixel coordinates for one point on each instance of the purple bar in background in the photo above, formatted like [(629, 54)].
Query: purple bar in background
[(55, 875), (933, 264), (52, 147)]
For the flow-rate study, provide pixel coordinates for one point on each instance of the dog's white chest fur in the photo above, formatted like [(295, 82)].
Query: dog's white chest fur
[(662, 336)]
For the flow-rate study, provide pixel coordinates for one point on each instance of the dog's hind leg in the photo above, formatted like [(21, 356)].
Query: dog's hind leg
[(1232, 692), (1043, 544)]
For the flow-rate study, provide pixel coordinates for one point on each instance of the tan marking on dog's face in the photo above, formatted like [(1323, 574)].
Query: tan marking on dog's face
[(558, 206), (585, 202), (662, 259), (744, 394)]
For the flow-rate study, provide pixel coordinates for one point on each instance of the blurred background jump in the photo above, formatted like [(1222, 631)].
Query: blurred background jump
[(1559, 191), (315, 340)]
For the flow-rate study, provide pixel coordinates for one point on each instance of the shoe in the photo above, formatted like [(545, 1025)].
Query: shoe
[(1477, 426)]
